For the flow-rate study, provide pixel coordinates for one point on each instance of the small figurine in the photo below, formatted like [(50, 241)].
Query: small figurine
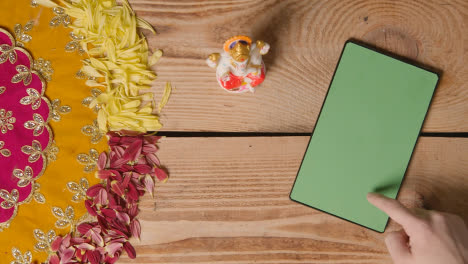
[(240, 67)]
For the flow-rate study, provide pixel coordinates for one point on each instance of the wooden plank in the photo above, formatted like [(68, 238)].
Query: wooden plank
[(230, 204), (306, 39)]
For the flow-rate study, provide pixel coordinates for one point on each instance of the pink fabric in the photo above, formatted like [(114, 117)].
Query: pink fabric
[(19, 136)]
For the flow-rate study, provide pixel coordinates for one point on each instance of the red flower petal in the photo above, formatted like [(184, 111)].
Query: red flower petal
[(56, 243), (93, 257), (94, 190), (84, 228), (130, 250), (127, 177), (132, 192), (142, 168), (116, 187), (90, 208), (160, 174), (108, 213), (54, 259), (133, 151)]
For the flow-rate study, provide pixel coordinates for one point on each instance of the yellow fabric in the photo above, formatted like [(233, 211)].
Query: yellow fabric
[(49, 43)]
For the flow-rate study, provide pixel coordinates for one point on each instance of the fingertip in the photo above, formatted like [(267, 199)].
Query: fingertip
[(371, 197)]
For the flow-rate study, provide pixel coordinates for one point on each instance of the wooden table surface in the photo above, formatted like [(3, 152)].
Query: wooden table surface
[(227, 197)]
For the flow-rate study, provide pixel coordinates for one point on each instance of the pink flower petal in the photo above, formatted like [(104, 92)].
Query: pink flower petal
[(85, 246), (67, 255), (152, 160), (149, 148), (135, 228), (102, 160), (113, 247), (123, 217), (149, 184), (130, 250), (96, 237)]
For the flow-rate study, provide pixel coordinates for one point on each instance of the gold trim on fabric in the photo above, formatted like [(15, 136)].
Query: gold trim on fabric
[(44, 240), (93, 132), (20, 258), (89, 160), (79, 189), (20, 33), (44, 68), (65, 217), (58, 109)]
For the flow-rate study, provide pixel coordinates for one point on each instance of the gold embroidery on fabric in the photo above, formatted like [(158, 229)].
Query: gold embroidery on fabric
[(20, 258), (60, 18), (74, 44), (4, 152), (2, 89), (33, 98), (24, 74), (38, 197), (34, 151), (37, 124), (51, 152), (10, 199), (44, 240), (93, 132), (81, 75), (78, 189), (8, 53), (65, 218), (25, 177), (57, 109), (90, 101), (20, 33), (44, 68), (6, 120), (90, 161)]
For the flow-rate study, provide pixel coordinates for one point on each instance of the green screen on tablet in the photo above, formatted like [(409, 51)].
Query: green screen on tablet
[(364, 136)]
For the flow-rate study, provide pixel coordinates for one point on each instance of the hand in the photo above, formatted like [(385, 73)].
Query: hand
[(427, 237)]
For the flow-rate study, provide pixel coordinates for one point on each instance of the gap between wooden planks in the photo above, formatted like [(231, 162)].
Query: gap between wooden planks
[(306, 39), (227, 202)]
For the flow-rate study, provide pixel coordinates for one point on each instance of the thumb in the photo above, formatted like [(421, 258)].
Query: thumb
[(397, 245)]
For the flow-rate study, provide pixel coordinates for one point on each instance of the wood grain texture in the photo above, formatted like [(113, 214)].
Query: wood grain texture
[(306, 39), (227, 201)]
